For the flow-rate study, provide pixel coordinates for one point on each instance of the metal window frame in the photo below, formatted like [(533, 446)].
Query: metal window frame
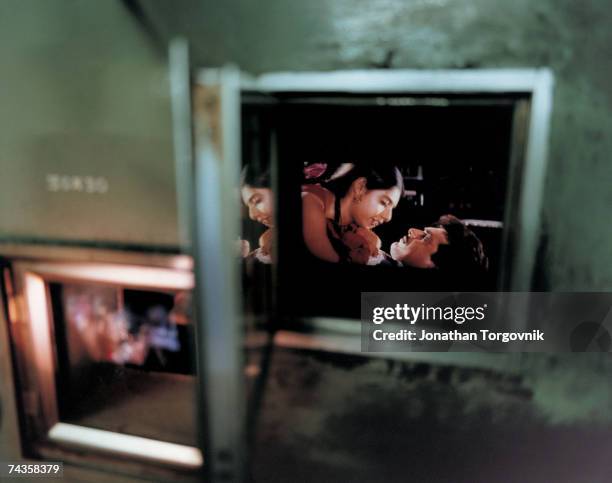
[(215, 227), (32, 268), (523, 211), (535, 83)]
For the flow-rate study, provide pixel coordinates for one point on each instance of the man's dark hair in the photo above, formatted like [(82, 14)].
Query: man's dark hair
[(464, 256)]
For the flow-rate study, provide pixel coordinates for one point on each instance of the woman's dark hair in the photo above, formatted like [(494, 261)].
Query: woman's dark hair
[(377, 178), (464, 255), (255, 176)]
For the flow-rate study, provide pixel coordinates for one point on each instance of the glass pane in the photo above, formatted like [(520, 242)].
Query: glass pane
[(125, 360)]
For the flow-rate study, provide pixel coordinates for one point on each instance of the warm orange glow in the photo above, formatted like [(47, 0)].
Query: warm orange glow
[(11, 305), (145, 277), (40, 324)]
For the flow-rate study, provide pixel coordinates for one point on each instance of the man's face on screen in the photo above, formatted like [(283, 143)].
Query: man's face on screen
[(417, 247)]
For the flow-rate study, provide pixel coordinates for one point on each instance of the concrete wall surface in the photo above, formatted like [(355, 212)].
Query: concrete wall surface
[(573, 38)]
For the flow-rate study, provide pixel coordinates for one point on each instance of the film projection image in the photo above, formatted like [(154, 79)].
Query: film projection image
[(375, 195)]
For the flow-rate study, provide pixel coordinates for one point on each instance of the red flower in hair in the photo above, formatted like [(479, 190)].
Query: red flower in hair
[(315, 170)]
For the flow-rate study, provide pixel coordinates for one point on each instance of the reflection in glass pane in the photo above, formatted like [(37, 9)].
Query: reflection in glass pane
[(125, 360)]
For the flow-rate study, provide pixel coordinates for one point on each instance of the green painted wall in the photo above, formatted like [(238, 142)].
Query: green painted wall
[(83, 92), (573, 38)]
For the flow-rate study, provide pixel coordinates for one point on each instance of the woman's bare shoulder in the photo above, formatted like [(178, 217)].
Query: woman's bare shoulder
[(315, 195)]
